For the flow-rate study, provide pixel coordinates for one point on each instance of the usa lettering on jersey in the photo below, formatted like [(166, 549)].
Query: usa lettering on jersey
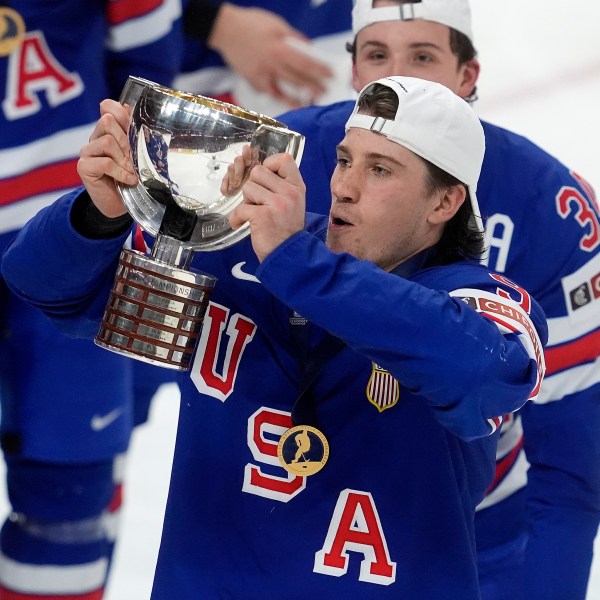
[(355, 524)]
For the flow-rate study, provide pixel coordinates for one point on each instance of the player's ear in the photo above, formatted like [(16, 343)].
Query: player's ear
[(468, 75), (447, 202)]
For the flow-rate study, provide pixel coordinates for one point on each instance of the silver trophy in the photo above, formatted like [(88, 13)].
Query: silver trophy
[(181, 145)]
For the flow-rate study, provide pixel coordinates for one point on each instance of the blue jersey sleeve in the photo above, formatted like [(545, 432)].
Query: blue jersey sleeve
[(69, 277), (436, 345)]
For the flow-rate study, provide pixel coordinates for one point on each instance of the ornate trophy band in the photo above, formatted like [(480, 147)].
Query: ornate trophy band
[(181, 145)]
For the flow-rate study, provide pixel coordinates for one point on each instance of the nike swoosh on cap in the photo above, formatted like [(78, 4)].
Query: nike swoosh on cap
[(238, 273)]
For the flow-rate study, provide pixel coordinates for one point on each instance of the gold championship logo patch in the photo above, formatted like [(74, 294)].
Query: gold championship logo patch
[(12, 30), (382, 390)]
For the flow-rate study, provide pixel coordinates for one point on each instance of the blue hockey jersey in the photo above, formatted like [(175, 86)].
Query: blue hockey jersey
[(58, 60), (409, 405), (543, 231)]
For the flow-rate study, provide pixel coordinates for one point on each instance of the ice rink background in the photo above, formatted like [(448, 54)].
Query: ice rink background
[(541, 78)]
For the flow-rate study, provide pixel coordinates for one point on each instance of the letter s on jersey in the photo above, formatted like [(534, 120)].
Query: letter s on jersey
[(267, 478), (272, 481)]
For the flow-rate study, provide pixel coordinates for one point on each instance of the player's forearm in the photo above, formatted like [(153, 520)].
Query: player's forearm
[(53, 267)]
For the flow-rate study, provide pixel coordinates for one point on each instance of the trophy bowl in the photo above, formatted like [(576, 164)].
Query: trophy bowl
[(181, 146)]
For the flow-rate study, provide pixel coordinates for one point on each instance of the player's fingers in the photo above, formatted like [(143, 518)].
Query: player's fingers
[(256, 193), (297, 55), (233, 177), (121, 112), (283, 164), (292, 75), (277, 172), (109, 126), (268, 189), (92, 169), (107, 146), (237, 171), (300, 70), (241, 214), (104, 156)]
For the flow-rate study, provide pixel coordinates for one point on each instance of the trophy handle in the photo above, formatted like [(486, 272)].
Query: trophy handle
[(134, 88), (274, 140)]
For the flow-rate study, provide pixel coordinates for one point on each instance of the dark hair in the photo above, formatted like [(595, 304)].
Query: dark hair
[(460, 45), (459, 238)]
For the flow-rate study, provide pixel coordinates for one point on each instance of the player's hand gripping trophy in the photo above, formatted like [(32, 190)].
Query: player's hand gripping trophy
[(181, 145)]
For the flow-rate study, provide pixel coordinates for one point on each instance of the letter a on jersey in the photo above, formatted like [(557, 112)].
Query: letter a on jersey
[(355, 526), (33, 70)]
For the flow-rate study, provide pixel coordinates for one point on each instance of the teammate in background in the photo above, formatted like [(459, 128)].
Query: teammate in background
[(67, 406), (389, 291), (267, 56), (542, 230)]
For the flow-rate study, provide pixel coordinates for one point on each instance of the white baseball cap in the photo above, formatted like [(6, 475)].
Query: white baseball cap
[(452, 13), (435, 124)]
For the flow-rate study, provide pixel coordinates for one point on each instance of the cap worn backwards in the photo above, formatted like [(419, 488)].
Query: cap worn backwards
[(435, 124), (452, 13)]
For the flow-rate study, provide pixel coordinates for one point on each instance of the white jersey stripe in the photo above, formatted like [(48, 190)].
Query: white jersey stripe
[(52, 579), (146, 29), (562, 330), (510, 437), (571, 381), (52, 149), (513, 482)]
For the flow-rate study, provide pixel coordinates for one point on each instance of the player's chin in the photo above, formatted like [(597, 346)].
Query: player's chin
[(338, 239)]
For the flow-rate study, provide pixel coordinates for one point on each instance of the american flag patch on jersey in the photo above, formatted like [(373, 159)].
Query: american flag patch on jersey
[(382, 390)]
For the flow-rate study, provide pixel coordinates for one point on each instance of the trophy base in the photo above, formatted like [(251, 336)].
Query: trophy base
[(155, 311)]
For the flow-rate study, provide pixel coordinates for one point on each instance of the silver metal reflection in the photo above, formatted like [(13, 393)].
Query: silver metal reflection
[(181, 145)]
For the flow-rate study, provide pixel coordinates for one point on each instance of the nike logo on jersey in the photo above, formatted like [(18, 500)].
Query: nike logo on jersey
[(238, 273), (100, 422)]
